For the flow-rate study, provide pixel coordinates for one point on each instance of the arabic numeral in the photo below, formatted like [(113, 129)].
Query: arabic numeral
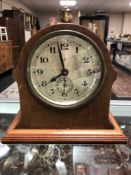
[(76, 91), (52, 50), (64, 46), (44, 60), (92, 71), (86, 59), (64, 94), (77, 49), (52, 91), (44, 83), (39, 71), (85, 83)]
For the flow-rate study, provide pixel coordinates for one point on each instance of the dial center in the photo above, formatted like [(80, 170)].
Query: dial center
[(64, 72)]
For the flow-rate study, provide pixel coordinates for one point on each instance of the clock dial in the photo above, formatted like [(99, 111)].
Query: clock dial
[(65, 69)]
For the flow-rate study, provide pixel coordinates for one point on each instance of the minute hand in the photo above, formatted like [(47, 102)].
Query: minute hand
[(61, 57)]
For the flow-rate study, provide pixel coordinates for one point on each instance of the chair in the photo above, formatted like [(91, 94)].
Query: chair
[(3, 33)]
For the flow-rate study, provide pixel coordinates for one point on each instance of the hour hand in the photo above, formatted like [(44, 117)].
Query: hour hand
[(54, 78), (64, 72)]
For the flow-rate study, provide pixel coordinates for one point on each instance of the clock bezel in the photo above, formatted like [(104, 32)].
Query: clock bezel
[(45, 38)]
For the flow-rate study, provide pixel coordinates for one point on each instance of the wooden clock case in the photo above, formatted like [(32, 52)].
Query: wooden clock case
[(89, 123)]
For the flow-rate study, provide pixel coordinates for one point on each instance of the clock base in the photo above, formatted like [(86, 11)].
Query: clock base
[(14, 135)]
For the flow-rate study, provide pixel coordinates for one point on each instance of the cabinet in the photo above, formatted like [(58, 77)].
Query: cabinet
[(6, 61), (12, 29), (18, 18), (97, 24), (14, 22)]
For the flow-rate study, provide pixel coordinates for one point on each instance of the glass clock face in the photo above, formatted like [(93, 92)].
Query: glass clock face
[(65, 69)]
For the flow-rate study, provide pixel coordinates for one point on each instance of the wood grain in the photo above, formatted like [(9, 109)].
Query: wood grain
[(91, 115), (14, 135)]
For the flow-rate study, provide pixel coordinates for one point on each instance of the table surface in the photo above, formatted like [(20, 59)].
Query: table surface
[(124, 41)]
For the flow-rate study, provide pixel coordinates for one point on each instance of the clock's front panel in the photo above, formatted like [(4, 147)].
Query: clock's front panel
[(65, 70)]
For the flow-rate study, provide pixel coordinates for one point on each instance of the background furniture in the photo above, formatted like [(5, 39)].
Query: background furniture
[(6, 61), (121, 50), (100, 22), (18, 18), (14, 22), (3, 33)]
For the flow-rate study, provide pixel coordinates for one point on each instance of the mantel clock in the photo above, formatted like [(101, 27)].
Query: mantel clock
[(64, 77)]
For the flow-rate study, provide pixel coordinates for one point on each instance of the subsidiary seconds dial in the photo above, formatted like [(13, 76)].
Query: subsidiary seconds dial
[(65, 69)]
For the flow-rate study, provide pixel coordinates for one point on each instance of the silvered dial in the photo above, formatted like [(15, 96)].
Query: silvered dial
[(65, 69)]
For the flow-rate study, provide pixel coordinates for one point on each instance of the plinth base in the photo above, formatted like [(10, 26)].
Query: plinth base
[(14, 135)]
